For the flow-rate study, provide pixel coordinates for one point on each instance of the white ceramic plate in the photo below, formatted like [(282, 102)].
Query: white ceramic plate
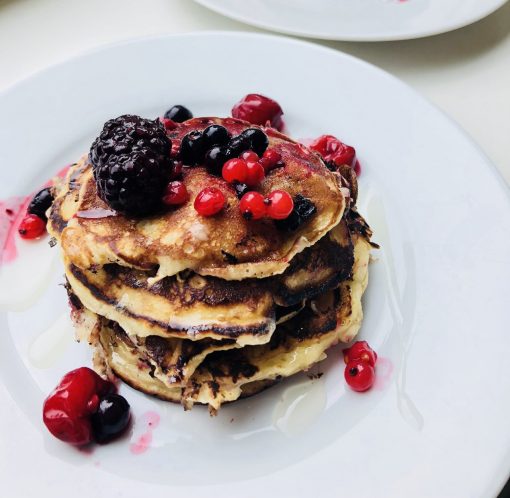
[(356, 20), (435, 424)]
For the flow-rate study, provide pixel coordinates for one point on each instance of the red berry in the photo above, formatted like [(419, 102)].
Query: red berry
[(175, 194), (209, 201), (31, 227), (260, 110), (270, 159), (235, 170), (252, 206), (334, 151), (168, 123), (360, 351), (176, 171), (279, 205), (254, 174), (249, 156), (360, 376), (67, 410)]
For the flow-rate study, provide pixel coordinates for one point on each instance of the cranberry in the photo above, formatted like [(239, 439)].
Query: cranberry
[(254, 174), (67, 410), (270, 159), (175, 194), (31, 227), (249, 156), (235, 170), (360, 376), (334, 151), (258, 109), (279, 205), (209, 201), (252, 206), (360, 351)]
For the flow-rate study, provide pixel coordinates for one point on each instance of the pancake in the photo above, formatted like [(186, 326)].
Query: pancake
[(225, 376), (190, 306), (225, 246)]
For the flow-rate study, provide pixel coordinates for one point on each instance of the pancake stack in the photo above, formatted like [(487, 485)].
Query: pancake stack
[(208, 310)]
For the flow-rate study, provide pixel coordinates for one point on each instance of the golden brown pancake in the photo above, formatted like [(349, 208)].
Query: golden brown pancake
[(225, 245)]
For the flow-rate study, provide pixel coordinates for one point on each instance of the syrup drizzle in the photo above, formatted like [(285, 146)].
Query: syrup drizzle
[(143, 441)]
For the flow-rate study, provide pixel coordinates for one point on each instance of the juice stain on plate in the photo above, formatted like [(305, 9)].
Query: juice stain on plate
[(50, 346), (299, 407), (143, 441)]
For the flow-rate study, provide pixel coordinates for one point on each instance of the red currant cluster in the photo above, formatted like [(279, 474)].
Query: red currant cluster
[(360, 361)]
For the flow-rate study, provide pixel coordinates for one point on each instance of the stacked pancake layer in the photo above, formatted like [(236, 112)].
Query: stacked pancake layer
[(208, 310)]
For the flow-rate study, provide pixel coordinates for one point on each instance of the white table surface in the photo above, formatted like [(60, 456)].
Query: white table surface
[(466, 73)]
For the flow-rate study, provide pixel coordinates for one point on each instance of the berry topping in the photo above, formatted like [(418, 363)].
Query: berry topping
[(132, 165), (256, 138), (279, 205), (235, 170), (241, 189), (360, 351), (249, 156), (40, 203), (178, 113), (254, 174), (168, 123), (333, 151), (175, 194), (359, 375), (216, 157), (192, 148), (271, 159), (111, 418), (209, 201), (215, 135), (31, 227), (260, 110), (252, 206), (67, 410), (303, 210)]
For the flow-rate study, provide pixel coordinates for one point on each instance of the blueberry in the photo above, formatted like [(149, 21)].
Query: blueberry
[(215, 135), (257, 139), (216, 157), (192, 148), (111, 418), (40, 203), (303, 210), (178, 113)]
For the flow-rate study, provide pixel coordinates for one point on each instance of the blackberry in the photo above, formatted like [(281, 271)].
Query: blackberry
[(132, 165), (303, 210), (178, 113), (41, 203)]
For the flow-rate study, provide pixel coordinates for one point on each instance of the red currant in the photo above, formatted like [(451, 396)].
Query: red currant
[(360, 351), (249, 156), (175, 194), (235, 170), (252, 206), (360, 376), (67, 410), (209, 201), (254, 174), (279, 205), (31, 227), (334, 151), (258, 109), (270, 159)]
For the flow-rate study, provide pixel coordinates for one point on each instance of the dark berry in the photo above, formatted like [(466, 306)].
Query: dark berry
[(238, 145), (303, 210), (241, 189), (176, 194), (280, 205), (258, 109), (235, 170), (192, 148), (252, 206), (215, 135), (31, 227), (216, 157), (254, 174), (41, 203), (178, 113), (111, 418), (132, 165), (209, 201), (257, 139)]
